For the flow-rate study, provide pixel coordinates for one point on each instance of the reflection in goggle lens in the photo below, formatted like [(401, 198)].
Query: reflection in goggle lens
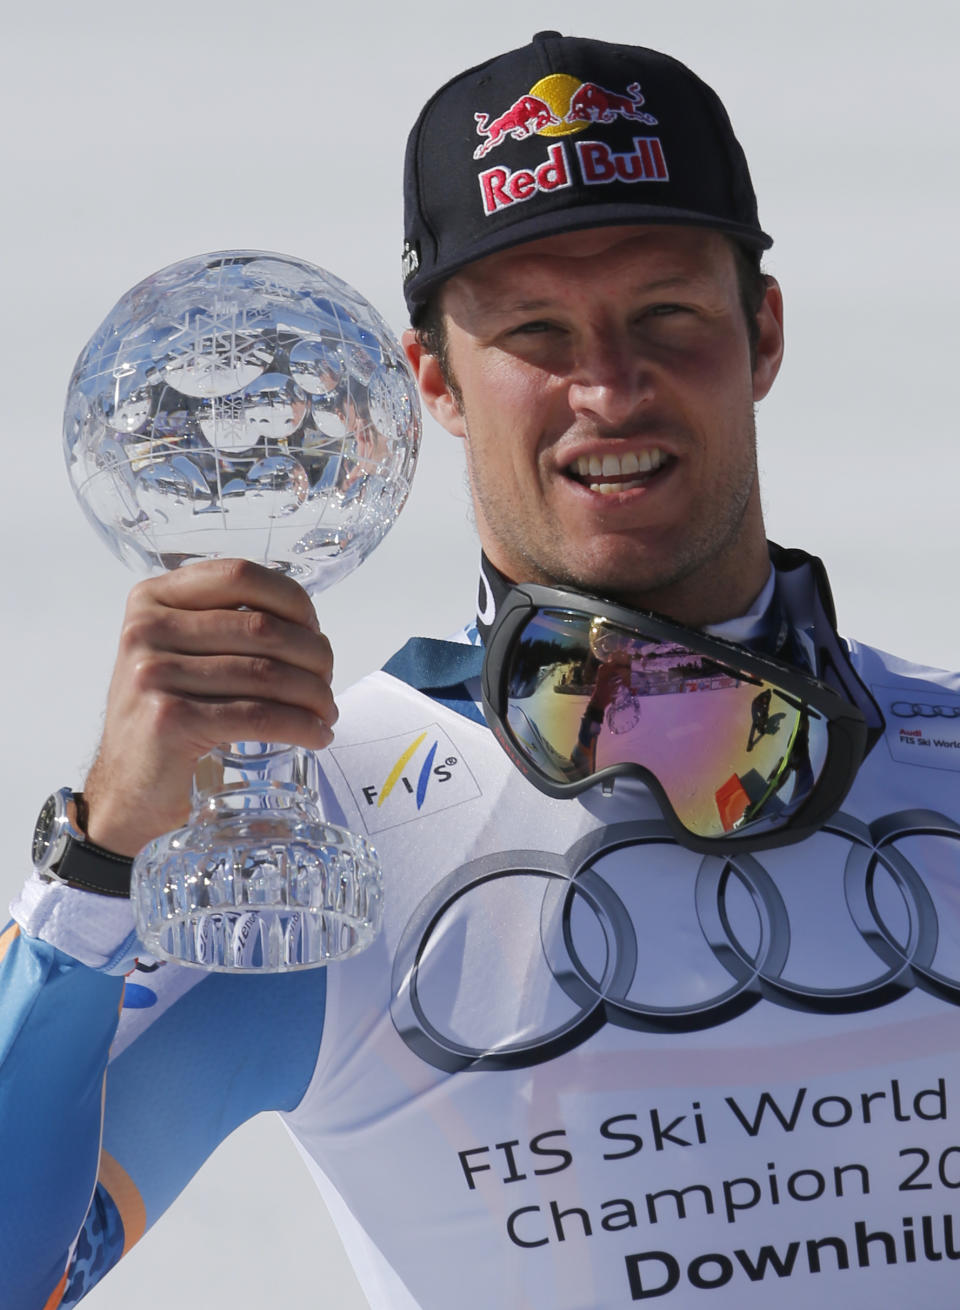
[(729, 750)]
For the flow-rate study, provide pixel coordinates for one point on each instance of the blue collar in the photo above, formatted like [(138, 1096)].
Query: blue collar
[(441, 670)]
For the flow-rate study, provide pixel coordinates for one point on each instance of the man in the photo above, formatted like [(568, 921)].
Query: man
[(601, 1053)]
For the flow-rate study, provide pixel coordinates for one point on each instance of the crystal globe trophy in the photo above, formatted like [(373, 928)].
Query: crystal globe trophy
[(244, 404)]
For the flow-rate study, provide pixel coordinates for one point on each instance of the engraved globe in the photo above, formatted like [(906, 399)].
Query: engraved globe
[(245, 404)]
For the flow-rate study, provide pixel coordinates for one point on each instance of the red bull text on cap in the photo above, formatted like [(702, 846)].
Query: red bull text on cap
[(561, 134)]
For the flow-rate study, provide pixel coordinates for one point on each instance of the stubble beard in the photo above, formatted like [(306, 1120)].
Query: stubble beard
[(701, 560)]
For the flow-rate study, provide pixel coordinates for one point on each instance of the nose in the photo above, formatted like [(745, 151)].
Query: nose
[(610, 379)]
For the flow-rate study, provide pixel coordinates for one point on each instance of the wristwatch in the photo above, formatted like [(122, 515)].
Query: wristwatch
[(62, 853)]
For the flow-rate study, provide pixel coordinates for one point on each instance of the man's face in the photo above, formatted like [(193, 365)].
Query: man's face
[(605, 390)]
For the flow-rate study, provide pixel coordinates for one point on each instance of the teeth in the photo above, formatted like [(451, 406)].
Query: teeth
[(617, 466)]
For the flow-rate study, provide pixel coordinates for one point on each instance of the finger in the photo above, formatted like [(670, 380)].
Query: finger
[(229, 677), (156, 628), (209, 722), (232, 583)]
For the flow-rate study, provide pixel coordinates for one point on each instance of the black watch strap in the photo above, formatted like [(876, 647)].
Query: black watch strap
[(89, 866)]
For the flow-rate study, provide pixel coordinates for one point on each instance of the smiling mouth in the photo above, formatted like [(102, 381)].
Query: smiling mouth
[(609, 474)]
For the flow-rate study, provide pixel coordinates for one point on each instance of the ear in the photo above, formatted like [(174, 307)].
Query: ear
[(437, 396), (770, 341)]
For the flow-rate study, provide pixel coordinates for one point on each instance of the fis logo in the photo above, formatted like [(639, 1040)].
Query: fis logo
[(403, 778), (424, 777)]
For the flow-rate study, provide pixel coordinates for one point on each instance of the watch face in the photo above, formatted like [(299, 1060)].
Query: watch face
[(44, 832)]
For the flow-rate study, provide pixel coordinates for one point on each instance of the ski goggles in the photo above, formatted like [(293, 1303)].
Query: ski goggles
[(740, 749)]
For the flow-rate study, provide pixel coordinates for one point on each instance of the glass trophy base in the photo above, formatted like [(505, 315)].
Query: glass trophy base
[(257, 891)]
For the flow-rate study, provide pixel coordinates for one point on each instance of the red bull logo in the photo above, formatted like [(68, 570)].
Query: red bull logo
[(595, 104), (644, 163), (561, 105), (526, 115), (558, 105), (503, 187)]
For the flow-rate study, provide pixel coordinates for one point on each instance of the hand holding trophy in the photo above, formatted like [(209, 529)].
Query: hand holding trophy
[(243, 404)]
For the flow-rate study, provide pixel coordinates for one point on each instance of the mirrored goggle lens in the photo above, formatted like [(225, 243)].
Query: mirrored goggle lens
[(730, 751)]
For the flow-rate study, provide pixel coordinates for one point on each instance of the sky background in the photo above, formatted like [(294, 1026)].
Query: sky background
[(136, 136)]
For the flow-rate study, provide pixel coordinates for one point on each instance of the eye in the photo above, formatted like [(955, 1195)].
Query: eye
[(535, 327), (663, 311)]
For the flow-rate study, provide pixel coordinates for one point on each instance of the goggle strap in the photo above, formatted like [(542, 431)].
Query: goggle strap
[(808, 601)]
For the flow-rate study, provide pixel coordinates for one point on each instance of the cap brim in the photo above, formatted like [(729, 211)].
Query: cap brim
[(571, 219)]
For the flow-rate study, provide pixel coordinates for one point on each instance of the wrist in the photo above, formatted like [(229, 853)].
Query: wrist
[(114, 834), (124, 816)]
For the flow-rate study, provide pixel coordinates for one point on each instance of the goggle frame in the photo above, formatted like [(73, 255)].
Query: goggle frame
[(847, 734)]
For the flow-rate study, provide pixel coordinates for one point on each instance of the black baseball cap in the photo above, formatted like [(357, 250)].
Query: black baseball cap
[(566, 133)]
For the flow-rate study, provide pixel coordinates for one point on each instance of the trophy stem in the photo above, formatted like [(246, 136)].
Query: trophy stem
[(258, 881), (255, 775)]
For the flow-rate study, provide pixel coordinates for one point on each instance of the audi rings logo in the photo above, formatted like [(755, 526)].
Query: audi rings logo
[(513, 1013), (905, 709)]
